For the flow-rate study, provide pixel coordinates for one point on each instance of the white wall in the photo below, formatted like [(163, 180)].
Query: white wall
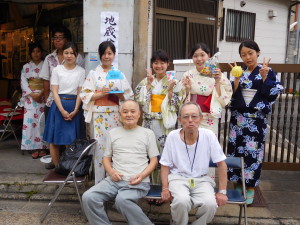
[(91, 17), (270, 34)]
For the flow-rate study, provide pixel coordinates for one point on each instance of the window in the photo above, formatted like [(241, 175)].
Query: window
[(240, 25)]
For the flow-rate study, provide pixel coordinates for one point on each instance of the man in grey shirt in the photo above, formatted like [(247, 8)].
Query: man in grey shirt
[(126, 160)]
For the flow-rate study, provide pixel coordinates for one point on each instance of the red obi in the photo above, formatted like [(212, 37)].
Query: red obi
[(203, 102)]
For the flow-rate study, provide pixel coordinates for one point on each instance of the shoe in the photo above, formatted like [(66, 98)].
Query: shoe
[(250, 195), (35, 155), (50, 165), (42, 153)]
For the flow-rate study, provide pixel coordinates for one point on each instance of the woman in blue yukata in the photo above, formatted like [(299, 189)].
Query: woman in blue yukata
[(253, 94)]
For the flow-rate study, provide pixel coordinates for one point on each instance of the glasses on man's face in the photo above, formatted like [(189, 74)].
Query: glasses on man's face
[(193, 117), (58, 38)]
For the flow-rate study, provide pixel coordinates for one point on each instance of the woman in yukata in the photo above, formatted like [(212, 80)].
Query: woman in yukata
[(212, 93), (101, 108), (33, 101), (63, 123), (254, 91), (160, 96)]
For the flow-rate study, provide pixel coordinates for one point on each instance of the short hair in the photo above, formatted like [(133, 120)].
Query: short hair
[(103, 46), (249, 44), (33, 45), (202, 46), (190, 103), (71, 45), (129, 100), (64, 30), (160, 55)]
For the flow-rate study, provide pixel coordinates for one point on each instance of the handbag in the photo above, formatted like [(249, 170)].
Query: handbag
[(71, 155)]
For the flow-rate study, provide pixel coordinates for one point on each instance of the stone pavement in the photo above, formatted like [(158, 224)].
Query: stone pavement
[(23, 197)]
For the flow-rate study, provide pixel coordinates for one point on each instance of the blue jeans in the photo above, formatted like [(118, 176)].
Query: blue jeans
[(126, 197)]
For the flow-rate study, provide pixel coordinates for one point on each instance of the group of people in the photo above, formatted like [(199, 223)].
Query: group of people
[(128, 153)]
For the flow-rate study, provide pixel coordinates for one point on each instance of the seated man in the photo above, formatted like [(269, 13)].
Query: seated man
[(184, 168), (126, 162)]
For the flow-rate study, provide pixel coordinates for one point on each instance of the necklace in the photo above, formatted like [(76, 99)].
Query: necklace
[(192, 164)]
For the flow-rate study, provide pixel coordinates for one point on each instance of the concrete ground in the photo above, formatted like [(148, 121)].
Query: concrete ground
[(23, 197)]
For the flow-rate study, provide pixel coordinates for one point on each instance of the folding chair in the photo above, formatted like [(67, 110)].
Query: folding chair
[(11, 113), (234, 196), (53, 177)]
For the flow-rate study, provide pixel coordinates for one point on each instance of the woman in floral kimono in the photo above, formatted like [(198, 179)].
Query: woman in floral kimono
[(33, 101), (160, 96), (101, 107), (212, 93), (253, 94)]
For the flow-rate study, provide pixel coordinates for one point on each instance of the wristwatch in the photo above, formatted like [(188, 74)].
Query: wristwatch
[(224, 192)]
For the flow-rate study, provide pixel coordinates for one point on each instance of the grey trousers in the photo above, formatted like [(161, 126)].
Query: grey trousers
[(126, 197)]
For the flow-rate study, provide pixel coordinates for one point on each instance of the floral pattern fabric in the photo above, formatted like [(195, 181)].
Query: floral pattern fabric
[(162, 123), (204, 85), (101, 119), (31, 135), (248, 123)]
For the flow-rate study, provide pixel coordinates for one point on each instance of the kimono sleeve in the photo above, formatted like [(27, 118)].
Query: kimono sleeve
[(226, 91), (24, 83), (88, 88), (142, 96), (271, 88), (128, 93)]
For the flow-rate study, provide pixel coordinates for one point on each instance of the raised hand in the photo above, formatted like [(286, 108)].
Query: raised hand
[(187, 83), (217, 75), (264, 70), (150, 77)]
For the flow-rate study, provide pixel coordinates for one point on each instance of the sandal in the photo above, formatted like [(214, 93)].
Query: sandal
[(35, 155), (42, 153)]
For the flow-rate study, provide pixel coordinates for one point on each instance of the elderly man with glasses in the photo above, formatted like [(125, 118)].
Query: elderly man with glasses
[(184, 168)]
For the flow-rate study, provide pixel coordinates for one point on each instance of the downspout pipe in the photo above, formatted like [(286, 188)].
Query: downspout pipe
[(150, 32), (288, 30)]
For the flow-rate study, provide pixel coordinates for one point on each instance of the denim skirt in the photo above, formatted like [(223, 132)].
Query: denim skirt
[(59, 131)]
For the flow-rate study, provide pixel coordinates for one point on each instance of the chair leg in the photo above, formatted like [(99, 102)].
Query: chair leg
[(245, 214), (240, 214), (79, 197), (57, 192)]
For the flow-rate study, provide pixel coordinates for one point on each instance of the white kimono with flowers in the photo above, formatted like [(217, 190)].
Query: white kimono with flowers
[(100, 118), (204, 85), (31, 135)]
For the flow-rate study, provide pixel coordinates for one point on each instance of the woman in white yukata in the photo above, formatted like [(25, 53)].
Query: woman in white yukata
[(211, 93), (33, 101), (101, 109)]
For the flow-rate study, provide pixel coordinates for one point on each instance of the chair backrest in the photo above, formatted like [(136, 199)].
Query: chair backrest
[(85, 152), (232, 162)]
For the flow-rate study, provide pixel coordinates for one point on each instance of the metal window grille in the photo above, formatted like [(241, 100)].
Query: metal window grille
[(240, 25)]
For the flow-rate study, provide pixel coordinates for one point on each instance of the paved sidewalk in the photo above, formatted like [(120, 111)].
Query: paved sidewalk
[(23, 197)]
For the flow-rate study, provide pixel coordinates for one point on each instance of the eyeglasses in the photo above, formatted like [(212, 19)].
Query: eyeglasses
[(193, 117), (58, 38)]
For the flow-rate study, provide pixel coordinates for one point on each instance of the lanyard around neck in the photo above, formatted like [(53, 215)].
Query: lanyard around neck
[(192, 164)]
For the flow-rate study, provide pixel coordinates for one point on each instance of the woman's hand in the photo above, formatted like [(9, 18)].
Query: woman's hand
[(65, 115), (187, 83), (265, 69), (72, 114), (150, 77), (217, 75)]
